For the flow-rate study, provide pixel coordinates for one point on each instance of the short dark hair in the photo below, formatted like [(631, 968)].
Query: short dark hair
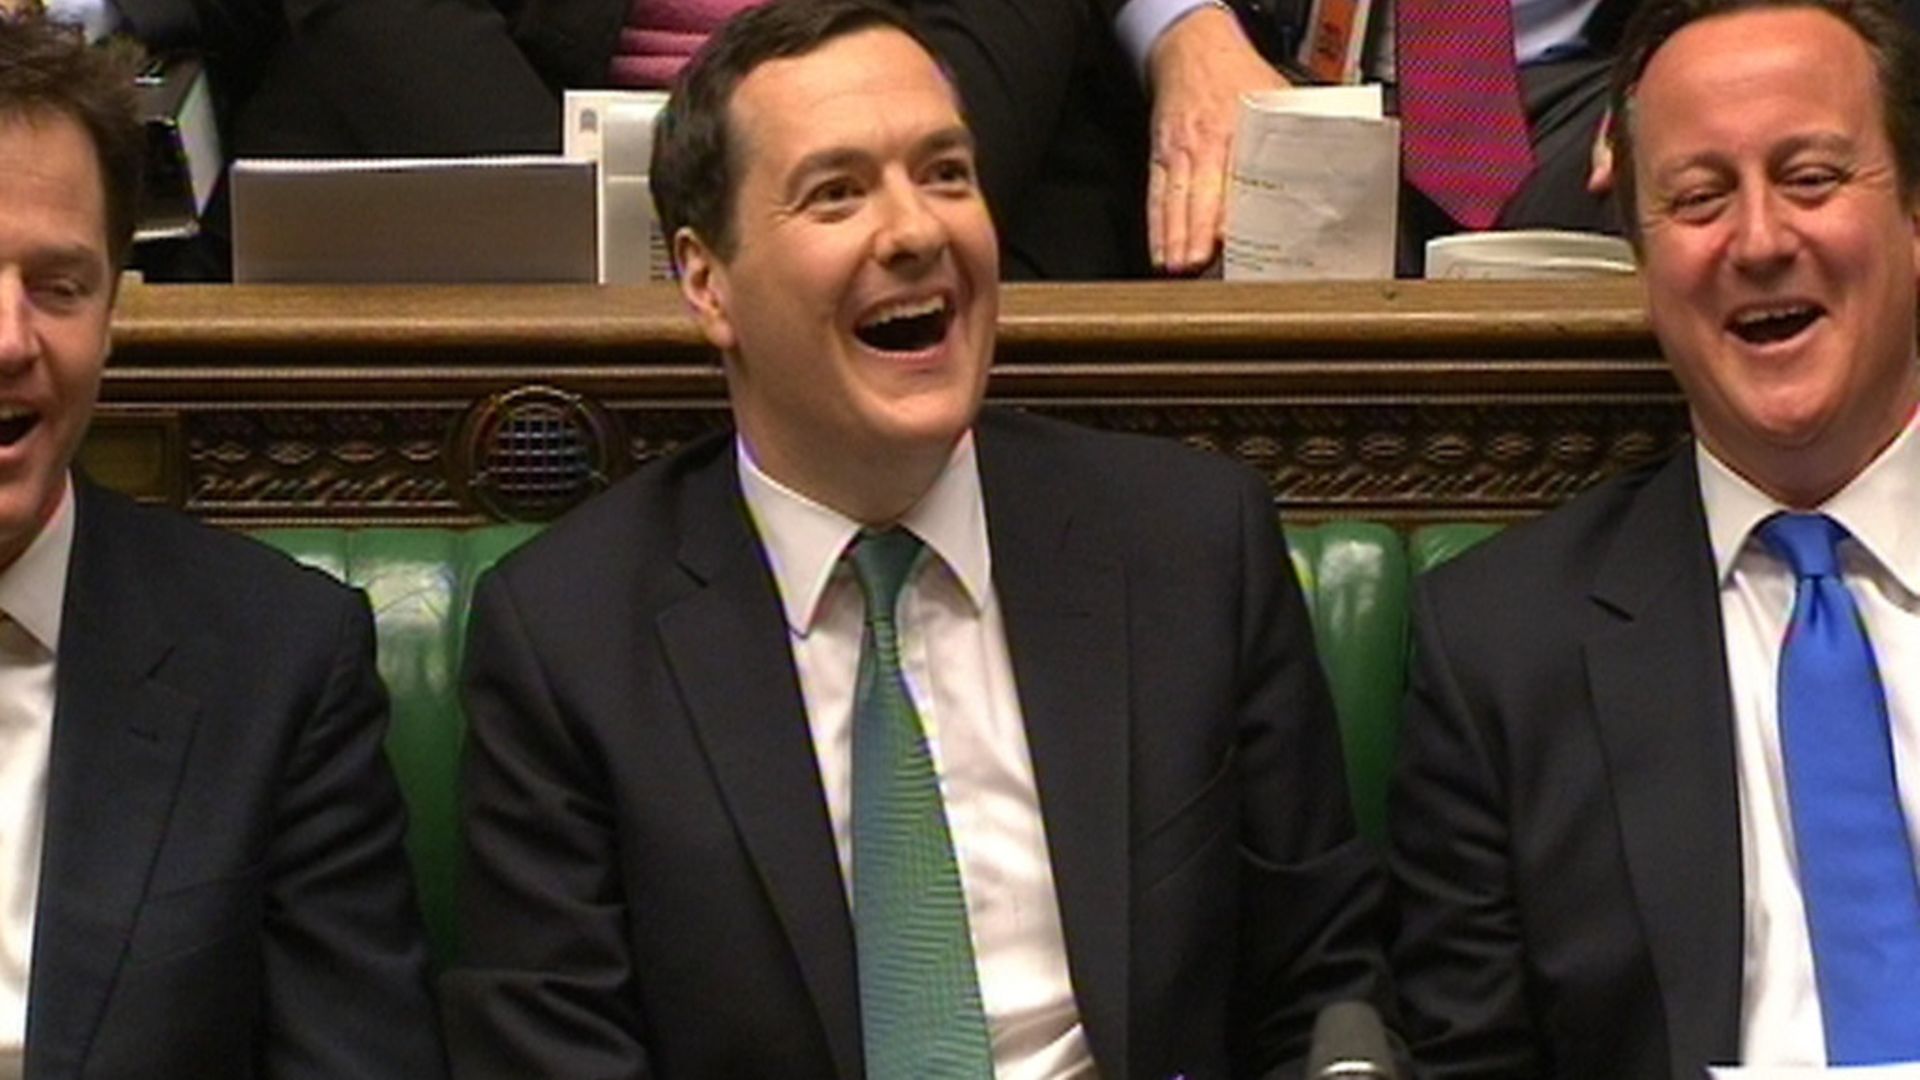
[(695, 172), (49, 70), (1891, 43)]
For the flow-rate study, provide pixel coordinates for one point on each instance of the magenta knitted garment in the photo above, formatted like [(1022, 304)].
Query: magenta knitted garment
[(661, 35)]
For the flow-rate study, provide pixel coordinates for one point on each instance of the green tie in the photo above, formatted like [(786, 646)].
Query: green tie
[(919, 995)]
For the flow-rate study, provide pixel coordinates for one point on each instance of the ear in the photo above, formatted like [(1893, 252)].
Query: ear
[(1913, 222), (703, 281)]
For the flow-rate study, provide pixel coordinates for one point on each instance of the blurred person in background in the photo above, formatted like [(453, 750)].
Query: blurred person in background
[(335, 78), (1104, 128)]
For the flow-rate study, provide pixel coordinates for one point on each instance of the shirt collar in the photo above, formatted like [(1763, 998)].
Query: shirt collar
[(1877, 507), (804, 540), (33, 589)]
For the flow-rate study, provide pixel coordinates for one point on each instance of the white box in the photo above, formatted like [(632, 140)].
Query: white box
[(614, 128)]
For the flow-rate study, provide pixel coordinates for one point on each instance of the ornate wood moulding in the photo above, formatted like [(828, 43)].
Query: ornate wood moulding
[(1402, 400)]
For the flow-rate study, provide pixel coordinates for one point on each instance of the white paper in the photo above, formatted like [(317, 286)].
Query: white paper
[(200, 139), (615, 129), (1909, 1071), (1529, 254), (1360, 102), (1314, 192)]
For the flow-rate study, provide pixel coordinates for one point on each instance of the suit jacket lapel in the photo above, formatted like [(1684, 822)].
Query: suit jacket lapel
[(727, 646), (120, 736), (1065, 608), (1659, 684)]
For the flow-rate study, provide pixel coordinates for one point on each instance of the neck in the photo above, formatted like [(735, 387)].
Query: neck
[(872, 490), (1806, 477)]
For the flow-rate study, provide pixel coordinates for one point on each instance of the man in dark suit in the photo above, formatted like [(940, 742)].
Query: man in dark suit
[(1563, 89), (397, 78), (346, 78), (201, 871), (1613, 817), (1138, 848)]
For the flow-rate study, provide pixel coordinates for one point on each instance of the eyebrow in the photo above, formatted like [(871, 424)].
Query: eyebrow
[(833, 159), (1714, 158), (1831, 141), (67, 257)]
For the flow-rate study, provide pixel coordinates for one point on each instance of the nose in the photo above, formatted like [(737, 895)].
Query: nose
[(911, 229), (1763, 235), (18, 344)]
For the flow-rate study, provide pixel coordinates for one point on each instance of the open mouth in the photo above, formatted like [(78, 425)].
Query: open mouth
[(15, 422), (910, 326), (1766, 325)]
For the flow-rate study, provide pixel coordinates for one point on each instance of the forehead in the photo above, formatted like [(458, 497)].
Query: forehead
[(1752, 76), (867, 85), (51, 188)]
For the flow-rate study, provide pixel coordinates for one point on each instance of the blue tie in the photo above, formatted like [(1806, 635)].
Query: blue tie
[(1856, 865)]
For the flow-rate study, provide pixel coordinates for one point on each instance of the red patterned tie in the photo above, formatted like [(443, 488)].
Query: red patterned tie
[(1464, 135)]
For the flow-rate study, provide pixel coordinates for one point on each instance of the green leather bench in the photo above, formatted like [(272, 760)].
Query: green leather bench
[(1355, 576)]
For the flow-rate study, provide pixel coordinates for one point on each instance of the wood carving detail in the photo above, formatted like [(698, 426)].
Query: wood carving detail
[(273, 460), (1322, 458), (1319, 458)]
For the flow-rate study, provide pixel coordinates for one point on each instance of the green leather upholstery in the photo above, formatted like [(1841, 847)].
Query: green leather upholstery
[(1354, 575), (1431, 545), (420, 583)]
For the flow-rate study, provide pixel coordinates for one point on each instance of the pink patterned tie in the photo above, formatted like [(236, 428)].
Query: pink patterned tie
[(1464, 136), (660, 36)]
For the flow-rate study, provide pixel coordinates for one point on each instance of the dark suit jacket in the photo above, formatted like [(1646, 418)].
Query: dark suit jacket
[(1566, 837), (351, 78), (1565, 101), (223, 891), (652, 887)]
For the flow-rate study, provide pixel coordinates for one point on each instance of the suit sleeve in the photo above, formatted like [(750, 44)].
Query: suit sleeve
[(1014, 62), (545, 985), (344, 954), (1458, 959), (1312, 890)]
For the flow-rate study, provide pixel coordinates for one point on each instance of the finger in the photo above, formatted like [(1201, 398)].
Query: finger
[(1156, 212), (1206, 205), (1600, 175), (1175, 207)]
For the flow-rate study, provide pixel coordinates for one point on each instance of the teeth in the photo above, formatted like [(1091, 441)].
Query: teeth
[(906, 309), (14, 412), (1757, 315)]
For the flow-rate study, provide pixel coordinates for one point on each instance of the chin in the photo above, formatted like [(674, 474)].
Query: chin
[(926, 437), (22, 511), (1790, 424), (942, 415)]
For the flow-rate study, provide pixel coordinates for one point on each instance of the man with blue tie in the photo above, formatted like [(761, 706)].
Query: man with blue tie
[(884, 736), (1660, 777)]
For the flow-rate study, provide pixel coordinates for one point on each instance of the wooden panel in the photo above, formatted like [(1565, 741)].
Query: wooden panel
[(1402, 400)]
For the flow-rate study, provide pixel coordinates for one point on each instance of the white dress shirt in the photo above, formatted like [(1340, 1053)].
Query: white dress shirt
[(1139, 23), (1550, 29), (32, 593), (1542, 30), (95, 18), (1780, 1006), (971, 712)]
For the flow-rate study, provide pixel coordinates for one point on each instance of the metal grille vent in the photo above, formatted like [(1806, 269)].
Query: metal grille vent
[(534, 452)]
